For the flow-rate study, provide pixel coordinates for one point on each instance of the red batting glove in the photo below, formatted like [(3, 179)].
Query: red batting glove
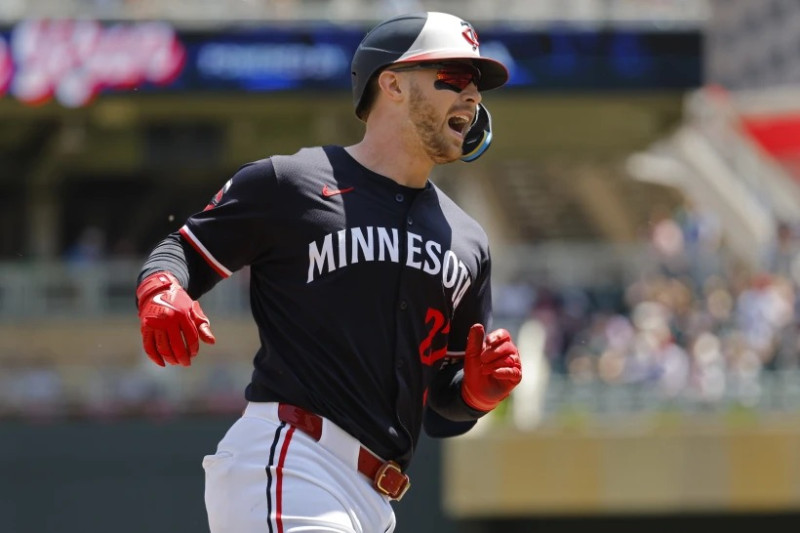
[(172, 323), (492, 368)]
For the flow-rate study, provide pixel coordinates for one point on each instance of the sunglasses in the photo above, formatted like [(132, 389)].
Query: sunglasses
[(453, 76)]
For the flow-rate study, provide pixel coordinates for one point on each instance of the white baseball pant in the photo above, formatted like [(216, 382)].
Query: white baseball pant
[(268, 477)]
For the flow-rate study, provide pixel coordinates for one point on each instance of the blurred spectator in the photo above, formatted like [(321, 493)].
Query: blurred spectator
[(34, 388), (702, 239), (668, 244), (785, 257), (513, 299), (707, 382), (89, 247), (546, 313)]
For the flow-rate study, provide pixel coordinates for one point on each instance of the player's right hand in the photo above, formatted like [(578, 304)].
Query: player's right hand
[(172, 323)]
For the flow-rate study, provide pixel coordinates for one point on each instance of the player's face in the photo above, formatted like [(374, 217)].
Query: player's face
[(442, 105)]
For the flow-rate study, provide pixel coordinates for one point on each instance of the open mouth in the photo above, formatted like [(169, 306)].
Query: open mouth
[(459, 124)]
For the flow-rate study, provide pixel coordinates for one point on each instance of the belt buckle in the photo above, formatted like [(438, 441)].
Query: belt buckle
[(398, 482)]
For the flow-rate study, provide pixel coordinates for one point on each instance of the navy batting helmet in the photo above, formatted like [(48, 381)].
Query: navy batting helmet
[(415, 38)]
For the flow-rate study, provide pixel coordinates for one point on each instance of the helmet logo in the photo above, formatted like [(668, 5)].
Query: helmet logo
[(470, 35)]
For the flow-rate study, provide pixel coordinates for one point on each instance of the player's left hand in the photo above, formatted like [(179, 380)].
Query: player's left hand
[(492, 368)]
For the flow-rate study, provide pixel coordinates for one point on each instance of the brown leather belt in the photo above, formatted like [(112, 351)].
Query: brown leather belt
[(387, 477)]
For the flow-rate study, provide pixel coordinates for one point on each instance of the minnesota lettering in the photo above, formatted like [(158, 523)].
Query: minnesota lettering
[(350, 246)]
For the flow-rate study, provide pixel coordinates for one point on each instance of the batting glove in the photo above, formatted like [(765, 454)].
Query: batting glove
[(492, 368), (172, 323)]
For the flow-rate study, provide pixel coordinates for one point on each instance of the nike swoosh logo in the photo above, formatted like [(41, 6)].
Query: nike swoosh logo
[(327, 193), (159, 299)]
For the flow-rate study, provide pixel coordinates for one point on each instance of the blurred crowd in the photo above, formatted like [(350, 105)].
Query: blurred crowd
[(698, 328), (42, 390)]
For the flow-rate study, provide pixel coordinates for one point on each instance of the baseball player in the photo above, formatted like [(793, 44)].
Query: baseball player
[(370, 289)]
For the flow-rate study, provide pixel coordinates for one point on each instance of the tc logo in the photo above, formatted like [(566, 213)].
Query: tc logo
[(470, 35)]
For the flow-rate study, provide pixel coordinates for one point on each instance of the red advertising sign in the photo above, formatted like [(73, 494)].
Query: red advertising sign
[(6, 67), (73, 60)]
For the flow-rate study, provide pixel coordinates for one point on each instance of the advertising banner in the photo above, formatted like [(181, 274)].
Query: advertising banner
[(73, 61)]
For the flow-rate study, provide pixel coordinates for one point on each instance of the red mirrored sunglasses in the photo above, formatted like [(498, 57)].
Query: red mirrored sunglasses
[(455, 76)]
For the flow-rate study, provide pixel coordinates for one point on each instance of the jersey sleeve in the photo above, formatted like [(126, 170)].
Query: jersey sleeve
[(475, 308), (234, 229), (446, 412), (439, 427)]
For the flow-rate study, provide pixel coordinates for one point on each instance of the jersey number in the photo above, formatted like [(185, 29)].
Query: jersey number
[(439, 327)]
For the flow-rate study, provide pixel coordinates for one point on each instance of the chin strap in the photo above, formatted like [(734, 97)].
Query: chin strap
[(479, 136)]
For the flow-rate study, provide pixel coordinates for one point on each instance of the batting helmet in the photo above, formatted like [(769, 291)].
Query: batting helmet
[(420, 37)]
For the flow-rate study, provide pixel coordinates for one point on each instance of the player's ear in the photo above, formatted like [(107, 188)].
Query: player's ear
[(389, 84)]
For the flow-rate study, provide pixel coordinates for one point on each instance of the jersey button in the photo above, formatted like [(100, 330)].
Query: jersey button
[(403, 305), (399, 197), (410, 221)]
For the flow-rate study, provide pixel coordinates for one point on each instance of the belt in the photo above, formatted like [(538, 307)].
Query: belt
[(387, 477)]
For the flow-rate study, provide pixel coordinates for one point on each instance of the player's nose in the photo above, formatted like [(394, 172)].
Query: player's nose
[(471, 94)]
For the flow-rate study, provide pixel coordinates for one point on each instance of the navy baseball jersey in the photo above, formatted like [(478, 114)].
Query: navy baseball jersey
[(363, 291)]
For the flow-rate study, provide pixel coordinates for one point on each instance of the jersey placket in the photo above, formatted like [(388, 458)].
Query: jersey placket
[(404, 354)]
